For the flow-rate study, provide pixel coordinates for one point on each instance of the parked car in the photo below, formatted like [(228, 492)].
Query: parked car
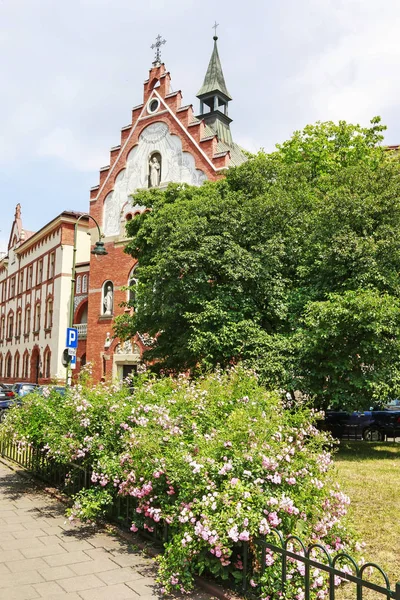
[(44, 390), (6, 386), (370, 425), (7, 399), (5, 391), (21, 389)]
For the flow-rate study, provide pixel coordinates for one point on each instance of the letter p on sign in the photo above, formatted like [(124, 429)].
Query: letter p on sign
[(72, 337)]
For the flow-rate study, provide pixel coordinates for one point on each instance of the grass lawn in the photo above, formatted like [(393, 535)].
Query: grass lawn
[(370, 474)]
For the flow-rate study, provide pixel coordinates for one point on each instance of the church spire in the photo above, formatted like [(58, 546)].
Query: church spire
[(214, 81), (214, 97)]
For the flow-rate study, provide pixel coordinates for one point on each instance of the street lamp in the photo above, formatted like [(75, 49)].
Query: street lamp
[(98, 250)]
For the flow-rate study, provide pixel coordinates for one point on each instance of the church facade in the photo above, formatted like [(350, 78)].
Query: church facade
[(165, 142)]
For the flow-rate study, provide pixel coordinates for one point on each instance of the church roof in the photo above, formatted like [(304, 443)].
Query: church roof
[(237, 154), (214, 80)]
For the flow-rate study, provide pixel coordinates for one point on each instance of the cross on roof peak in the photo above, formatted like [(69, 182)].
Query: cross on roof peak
[(157, 45), (215, 30)]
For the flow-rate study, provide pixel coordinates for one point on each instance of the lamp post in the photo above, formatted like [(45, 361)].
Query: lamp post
[(98, 250)]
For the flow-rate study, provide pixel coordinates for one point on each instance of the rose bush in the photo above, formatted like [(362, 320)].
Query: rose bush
[(219, 459)]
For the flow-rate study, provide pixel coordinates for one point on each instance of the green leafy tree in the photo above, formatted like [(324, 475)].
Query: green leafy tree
[(350, 348), (328, 147), (229, 271)]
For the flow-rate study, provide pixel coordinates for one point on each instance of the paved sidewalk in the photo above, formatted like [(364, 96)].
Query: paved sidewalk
[(42, 556)]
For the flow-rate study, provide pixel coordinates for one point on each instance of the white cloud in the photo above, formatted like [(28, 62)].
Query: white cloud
[(3, 243), (71, 71), (356, 76), (64, 144)]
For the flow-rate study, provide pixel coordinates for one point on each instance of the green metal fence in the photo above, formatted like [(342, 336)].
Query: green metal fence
[(72, 477), (332, 566), (69, 477)]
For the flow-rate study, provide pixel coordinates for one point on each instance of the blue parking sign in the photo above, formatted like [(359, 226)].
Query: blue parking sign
[(72, 337)]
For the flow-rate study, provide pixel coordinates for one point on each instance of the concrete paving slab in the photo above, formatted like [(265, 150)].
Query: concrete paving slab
[(42, 556), (99, 565), (116, 592), (80, 583), (54, 573), (22, 592), (120, 575)]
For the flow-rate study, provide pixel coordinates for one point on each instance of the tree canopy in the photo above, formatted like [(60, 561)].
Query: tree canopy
[(290, 264)]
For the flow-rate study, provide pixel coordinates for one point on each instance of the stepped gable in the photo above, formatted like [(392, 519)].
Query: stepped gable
[(187, 148), (190, 150)]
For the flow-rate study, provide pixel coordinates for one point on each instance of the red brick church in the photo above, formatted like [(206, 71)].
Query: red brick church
[(164, 142)]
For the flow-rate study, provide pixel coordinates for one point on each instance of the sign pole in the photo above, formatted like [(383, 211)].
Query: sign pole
[(71, 301)]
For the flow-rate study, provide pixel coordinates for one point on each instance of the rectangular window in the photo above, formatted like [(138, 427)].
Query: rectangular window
[(52, 264), (27, 320), (10, 326), (12, 287), (21, 282), (29, 277), (19, 320), (39, 273)]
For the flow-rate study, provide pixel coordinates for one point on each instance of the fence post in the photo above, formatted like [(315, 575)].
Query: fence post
[(397, 591), (245, 557)]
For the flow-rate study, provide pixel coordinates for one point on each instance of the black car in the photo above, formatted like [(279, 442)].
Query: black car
[(370, 425)]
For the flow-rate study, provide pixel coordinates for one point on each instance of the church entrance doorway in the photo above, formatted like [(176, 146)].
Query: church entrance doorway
[(128, 370)]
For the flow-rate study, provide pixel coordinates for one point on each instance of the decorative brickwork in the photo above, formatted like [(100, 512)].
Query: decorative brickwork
[(160, 126)]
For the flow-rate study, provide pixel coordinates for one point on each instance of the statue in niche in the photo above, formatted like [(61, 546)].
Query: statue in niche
[(155, 170), (108, 300)]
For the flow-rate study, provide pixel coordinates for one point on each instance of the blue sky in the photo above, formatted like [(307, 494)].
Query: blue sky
[(71, 72)]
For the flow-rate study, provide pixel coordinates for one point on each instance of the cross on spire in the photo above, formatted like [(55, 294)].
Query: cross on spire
[(215, 29), (157, 45)]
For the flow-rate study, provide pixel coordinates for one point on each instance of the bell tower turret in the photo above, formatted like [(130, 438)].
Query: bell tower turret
[(214, 98)]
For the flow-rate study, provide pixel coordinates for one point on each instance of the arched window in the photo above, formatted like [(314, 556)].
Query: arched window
[(49, 313), (25, 365), (78, 284), (8, 366), (84, 284), (1, 365), (16, 365), (132, 286), (108, 298), (10, 325), (2, 327), (36, 322), (47, 363), (27, 319), (19, 323)]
